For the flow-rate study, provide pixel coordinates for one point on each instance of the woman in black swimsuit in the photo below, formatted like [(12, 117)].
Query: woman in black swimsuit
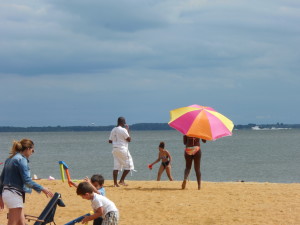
[(166, 159)]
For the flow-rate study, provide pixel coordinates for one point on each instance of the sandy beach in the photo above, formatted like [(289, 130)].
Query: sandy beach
[(152, 202)]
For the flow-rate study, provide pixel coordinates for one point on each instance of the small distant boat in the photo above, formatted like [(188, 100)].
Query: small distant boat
[(280, 128), (255, 128), (272, 128), (258, 128)]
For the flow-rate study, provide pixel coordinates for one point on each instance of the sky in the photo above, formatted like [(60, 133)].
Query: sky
[(87, 62)]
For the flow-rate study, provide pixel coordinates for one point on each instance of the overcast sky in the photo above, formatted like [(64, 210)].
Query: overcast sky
[(81, 62)]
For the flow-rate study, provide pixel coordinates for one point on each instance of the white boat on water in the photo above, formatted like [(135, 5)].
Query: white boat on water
[(280, 128), (273, 128), (255, 128)]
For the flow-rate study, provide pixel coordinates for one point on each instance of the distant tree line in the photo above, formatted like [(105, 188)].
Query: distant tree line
[(138, 126)]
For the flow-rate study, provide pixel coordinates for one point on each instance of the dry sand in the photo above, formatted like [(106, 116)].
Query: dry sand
[(152, 202)]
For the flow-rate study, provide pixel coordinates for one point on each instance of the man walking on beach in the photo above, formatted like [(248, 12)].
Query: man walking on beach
[(119, 138)]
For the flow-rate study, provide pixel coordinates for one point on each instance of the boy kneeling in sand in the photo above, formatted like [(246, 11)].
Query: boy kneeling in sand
[(101, 205)]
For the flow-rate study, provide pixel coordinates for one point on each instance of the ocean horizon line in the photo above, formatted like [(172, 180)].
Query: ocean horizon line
[(136, 126)]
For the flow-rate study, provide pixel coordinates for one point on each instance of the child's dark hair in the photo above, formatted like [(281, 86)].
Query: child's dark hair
[(162, 144), (97, 178), (83, 188)]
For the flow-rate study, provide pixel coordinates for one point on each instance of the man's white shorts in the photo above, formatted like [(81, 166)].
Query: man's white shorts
[(12, 200), (122, 159)]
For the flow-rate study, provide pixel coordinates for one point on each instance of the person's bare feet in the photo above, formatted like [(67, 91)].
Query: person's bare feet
[(123, 183), (116, 185), (183, 184)]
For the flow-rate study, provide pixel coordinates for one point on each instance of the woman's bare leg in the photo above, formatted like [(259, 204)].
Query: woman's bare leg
[(188, 166), (160, 171), (197, 160), (16, 217), (168, 170)]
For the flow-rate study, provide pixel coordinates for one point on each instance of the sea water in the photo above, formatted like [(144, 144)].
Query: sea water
[(247, 155)]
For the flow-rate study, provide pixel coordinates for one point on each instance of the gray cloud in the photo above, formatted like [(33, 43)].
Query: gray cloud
[(89, 61)]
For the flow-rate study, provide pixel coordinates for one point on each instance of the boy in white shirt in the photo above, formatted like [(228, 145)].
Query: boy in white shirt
[(101, 205)]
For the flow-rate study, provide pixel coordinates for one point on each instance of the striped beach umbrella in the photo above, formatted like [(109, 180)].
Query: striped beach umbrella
[(200, 121)]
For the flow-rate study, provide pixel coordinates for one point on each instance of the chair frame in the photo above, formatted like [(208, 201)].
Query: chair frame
[(52, 204)]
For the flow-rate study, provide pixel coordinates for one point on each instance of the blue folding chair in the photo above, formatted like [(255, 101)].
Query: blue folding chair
[(47, 215)]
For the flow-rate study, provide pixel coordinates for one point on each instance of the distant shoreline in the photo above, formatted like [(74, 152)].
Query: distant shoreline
[(138, 126)]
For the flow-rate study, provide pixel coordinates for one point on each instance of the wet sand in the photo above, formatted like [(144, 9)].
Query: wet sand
[(152, 202)]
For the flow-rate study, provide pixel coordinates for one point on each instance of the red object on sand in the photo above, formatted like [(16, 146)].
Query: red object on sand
[(150, 166)]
